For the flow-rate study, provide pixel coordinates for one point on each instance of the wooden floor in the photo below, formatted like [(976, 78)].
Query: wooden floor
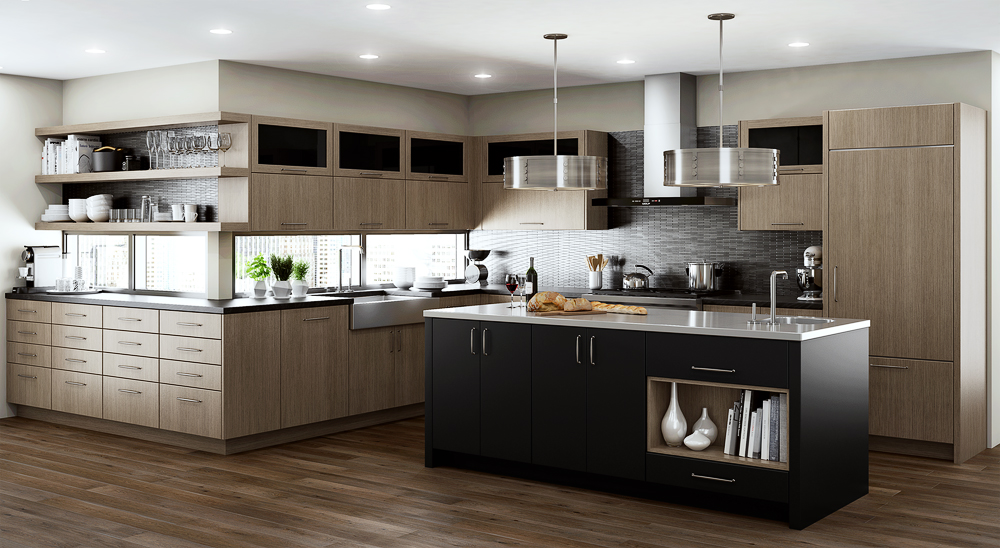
[(66, 487)]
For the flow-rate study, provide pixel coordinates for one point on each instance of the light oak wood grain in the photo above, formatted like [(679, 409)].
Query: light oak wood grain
[(29, 332), (234, 201), (73, 359), (132, 402), (283, 203), (146, 320), (339, 171), (251, 373), (28, 385), (131, 228), (29, 354), (409, 363), (459, 300), (314, 364), (81, 315), (132, 343), (911, 399), (144, 175), (238, 155), (191, 349), (193, 375), (455, 178), (372, 369), (77, 393), (539, 210), (131, 367), (81, 338), (924, 125), (143, 124), (434, 205), (191, 411), (369, 204), (257, 167), (191, 324), (795, 204), (29, 311)]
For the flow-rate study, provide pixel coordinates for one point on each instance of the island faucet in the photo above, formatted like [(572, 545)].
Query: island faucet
[(774, 293), (340, 267)]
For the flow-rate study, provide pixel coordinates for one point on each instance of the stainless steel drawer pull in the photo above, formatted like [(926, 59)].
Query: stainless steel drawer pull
[(835, 284), (438, 224), (578, 348), (129, 343), (712, 369), (129, 367), (592, 337), (371, 224), (189, 400), (75, 360), (693, 475), (294, 224), (130, 319), (296, 170), (889, 366), (788, 224), (28, 355), (75, 338), (28, 311), (75, 315), (531, 223), (315, 319), (76, 383), (791, 169), (27, 376), (129, 391), (472, 341), (484, 342), (186, 349), (27, 332), (189, 324), (188, 374), (374, 173)]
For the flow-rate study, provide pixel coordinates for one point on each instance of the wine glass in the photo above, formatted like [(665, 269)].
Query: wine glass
[(163, 146), (175, 147), (522, 281), (510, 280), (151, 144), (190, 150), (213, 146), (225, 141), (199, 145)]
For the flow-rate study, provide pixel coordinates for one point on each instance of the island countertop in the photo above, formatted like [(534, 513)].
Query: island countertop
[(664, 321)]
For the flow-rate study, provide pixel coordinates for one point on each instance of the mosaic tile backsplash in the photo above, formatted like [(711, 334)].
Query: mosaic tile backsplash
[(662, 238)]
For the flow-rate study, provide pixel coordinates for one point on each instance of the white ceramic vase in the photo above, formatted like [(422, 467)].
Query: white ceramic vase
[(674, 425), (282, 289), (706, 426), (260, 289), (697, 441), (299, 288)]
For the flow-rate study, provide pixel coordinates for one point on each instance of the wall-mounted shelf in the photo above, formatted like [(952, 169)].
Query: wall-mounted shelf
[(145, 175), (140, 227), (185, 120)]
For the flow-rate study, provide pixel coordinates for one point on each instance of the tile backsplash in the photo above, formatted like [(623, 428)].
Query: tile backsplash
[(662, 238)]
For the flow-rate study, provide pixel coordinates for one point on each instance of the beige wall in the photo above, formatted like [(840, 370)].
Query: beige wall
[(277, 92), (181, 89), (606, 107), (25, 103)]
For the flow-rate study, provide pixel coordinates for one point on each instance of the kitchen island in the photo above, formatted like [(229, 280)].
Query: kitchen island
[(579, 399)]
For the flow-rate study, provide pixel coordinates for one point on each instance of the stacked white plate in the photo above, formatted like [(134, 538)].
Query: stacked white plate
[(56, 214), (99, 208), (78, 210), (429, 282)]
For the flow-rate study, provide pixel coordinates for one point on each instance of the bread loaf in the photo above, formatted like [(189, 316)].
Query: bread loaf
[(576, 305), (619, 308), (546, 301)]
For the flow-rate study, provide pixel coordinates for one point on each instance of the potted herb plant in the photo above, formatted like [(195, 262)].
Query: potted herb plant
[(299, 284), (258, 271), (282, 269)]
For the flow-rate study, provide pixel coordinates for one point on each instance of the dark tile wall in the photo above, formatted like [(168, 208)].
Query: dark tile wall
[(662, 238)]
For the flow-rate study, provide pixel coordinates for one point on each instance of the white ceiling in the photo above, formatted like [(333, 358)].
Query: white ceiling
[(440, 44)]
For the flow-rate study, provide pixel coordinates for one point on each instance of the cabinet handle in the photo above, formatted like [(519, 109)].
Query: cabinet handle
[(75, 360), (371, 173), (75, 338), (28, 311), (791, 169), (76, 383), (189, 400), (437, 177), (835, 284), (128, 367), (27, 376), (186, 349), (27, 332), (315, 319), (75, 315), (531, 223), (578, 348), (129, 391), (189, 324), (130, 319), (399, 340), (438, 224), (28, 355), (129, 343), (888, 366), (472, 341), (294, 224), (188, 374), (392, 341), (789, 224), (712, 369), (592, 337), (371, 224), (726, 480), (484, 342), (296, 170)]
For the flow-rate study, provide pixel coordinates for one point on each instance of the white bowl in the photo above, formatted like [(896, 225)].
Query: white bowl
[(78, 217), (99, 217), (100, 197)]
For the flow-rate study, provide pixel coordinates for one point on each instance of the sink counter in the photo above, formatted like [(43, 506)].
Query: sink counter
[(661, 321), (185, 304)]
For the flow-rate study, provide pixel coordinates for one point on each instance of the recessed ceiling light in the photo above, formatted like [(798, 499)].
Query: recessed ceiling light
[(94, 50), (368, 56), (378, 7), (221, 31), (626, 62), (483, 75), (798, 44)]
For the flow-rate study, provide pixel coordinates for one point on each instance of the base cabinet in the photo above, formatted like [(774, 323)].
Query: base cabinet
[(77, 393), (911, 399), (132, 402), (314, 365), (29, 385)]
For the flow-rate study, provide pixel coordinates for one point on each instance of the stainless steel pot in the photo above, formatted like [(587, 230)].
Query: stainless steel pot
[(637, 280), (703, 276)]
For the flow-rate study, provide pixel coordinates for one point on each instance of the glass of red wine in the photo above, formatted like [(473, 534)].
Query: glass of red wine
[(510, 280)]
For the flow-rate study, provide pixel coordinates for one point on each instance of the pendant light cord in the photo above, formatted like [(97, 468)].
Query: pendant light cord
[(720, 84), (555, 97)]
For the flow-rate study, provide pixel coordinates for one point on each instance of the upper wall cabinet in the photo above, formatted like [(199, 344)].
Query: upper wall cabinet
[(296, 147), (361, 151), (573, 143), (799, 140), (437, 157), (924, 125)]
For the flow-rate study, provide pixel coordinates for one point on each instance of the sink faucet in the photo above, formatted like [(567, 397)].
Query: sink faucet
[(774, 293), (340, 267)]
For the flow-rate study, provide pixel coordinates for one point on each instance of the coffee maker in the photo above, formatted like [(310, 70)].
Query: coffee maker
[(810, 277), (42, 265)]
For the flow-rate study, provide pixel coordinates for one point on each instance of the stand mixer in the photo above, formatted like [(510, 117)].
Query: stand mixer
[(810, 277)]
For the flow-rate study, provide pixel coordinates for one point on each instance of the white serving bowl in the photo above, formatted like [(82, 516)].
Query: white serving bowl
[(100, 216), (100, 198), (78, 217)]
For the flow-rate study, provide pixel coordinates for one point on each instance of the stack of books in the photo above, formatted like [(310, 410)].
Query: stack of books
[(70, 155), (757, 426)]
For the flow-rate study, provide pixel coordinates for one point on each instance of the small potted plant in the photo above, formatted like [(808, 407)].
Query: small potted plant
[(299, 284), (282, 269), (258, 271)]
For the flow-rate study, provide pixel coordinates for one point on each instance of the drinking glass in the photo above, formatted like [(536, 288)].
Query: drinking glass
[(213, 146), (522, 281), (206, 141), (163, 146), (174, 148), (151, 137), (199, 145), (510, 280), (190, 150), (225, 141)]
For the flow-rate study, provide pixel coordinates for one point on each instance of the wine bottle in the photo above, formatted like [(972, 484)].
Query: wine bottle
[(531, 280)]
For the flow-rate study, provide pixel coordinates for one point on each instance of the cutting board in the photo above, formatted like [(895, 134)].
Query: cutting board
[(575, 313)]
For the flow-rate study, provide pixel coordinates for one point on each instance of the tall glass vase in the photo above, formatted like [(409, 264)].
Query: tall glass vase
[(674, 425)]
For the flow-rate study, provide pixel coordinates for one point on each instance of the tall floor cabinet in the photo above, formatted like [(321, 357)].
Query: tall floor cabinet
[(905, 247)]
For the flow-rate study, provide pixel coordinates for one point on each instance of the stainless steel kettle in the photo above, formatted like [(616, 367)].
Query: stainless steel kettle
[(637, 280)]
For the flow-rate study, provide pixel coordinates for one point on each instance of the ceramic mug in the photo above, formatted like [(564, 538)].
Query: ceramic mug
[(177, 210), (190, 213)]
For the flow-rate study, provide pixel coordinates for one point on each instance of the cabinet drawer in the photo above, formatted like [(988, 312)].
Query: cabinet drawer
[(132, 343), (29, 311), (74, 359), (29, 332), (29, 354), (80, 315), (27, 385), (758, 362), (189, 349), (191, 410), (77, 393), (131, 319), (191, 324), (195, 375), (82, 338), (718, 477), (911, 399), (131, 367), (134, 402)]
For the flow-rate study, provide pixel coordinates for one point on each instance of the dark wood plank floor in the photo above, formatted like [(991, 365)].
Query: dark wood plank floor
[(67, 487)]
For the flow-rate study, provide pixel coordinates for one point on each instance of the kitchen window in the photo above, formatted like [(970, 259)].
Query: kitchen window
[(170, 263), (320, 251), (431, 254), (104, 258)]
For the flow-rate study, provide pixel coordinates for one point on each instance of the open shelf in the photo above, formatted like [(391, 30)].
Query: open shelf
[(132, 227), (143, 124), (145, 175), (693, 395)]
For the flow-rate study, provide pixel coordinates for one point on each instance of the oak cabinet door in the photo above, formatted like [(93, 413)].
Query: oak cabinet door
[(438, 206), (372, 369), (290, 202), (314, 364), (369, 204), (911, 399)]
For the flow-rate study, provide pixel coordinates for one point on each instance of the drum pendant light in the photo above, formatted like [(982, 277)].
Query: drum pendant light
[(556, 172), (720, 167)]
